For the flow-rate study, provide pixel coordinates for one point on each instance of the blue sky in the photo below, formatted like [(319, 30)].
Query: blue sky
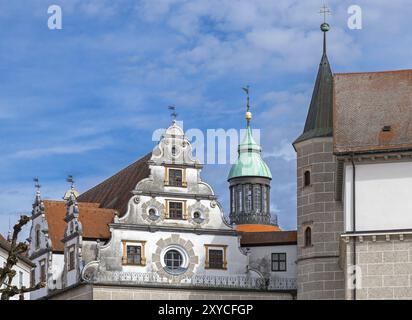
[(86, 99)]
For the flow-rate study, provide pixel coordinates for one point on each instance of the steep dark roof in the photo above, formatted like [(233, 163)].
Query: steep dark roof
[(319, 121), (373, 112), (253, 239), (115, 192)]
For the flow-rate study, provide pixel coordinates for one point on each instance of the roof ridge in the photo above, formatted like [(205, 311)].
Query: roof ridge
[(373, 72), (115, 175)]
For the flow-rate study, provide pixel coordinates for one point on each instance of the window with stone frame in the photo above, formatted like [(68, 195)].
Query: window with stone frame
[(215, 258), (134, 255), (175, 210), (71, 258), (278, 262), (175, 177), (43, 270)]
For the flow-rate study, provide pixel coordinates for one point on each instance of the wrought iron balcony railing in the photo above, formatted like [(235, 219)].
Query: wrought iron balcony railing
[(199, 281)]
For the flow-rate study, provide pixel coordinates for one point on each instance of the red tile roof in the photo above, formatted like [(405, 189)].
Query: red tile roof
[(94, 221), (364, 103), (253, 239), (256, 228), (115, 192)]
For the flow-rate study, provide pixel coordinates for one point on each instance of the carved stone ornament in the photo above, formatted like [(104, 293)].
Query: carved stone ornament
[(153, 211), (198, 214)]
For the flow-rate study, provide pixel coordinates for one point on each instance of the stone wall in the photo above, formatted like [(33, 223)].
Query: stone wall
[(384, 267), (319, 273), (99, 292), (141, 293)]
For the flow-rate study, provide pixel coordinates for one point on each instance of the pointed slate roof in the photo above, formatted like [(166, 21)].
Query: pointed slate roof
[(319, 121), (116, 191)]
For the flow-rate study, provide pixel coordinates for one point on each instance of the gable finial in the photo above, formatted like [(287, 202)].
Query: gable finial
[(173, 114), (248, 115), (325, 27)]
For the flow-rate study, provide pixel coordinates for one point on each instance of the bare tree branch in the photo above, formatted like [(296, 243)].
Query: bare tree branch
[(7, 273)]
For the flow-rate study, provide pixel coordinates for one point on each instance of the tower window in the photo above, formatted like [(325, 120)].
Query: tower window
[(306, 178), (37, 237), (248, 198), (278, 262), (257, 198), (175, 177), (239, 198), (308, 236)]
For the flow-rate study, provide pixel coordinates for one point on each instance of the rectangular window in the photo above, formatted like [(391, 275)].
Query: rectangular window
[(32, 277), (278, 262), (215, 259), (175, 177), (175, 210), (20, 279), (43, 270), (134, 255), (133, 252), (71, 259)]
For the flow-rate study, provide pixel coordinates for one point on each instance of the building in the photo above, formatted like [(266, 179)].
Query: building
[(353, 180), (372, 142), (24, 268), (155, 230)]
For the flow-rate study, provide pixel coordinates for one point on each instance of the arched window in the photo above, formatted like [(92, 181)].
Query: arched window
[(306, 178), (308, 236)]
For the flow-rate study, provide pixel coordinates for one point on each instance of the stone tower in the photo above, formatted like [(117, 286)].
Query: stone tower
[(249, 180), (319, 211)]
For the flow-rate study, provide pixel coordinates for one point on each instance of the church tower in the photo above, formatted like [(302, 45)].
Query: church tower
[(249, 180), (319, 211)]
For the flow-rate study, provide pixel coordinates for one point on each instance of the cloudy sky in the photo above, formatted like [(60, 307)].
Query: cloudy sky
[(86, 99)]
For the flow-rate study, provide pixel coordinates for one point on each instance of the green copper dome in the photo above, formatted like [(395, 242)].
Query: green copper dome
[(249, 162)]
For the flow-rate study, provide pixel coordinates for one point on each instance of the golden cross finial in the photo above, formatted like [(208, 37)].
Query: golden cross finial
[(325, 11)]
